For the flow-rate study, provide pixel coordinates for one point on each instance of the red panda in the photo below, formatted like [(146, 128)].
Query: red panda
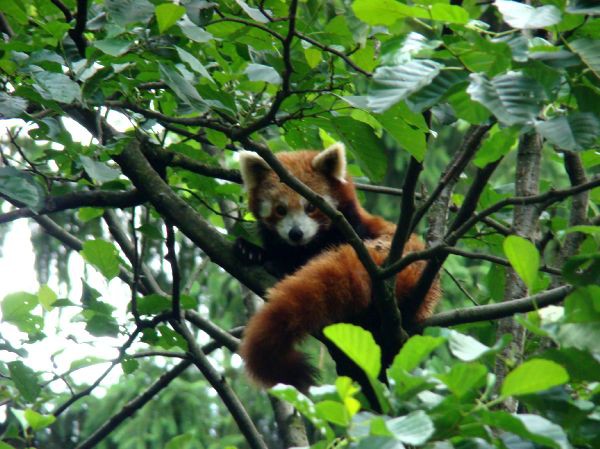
[(332, 286), (293, 231)]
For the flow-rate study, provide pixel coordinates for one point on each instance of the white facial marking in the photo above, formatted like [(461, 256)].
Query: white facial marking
[(265, 208), (300, 220)]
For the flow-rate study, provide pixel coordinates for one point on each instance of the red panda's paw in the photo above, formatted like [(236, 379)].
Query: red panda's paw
[(249, 252)]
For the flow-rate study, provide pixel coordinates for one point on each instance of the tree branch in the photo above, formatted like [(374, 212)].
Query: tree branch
[(218, 382), (499, 310)]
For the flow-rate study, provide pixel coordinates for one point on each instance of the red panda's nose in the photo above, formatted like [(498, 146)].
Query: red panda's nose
[(295, 234)]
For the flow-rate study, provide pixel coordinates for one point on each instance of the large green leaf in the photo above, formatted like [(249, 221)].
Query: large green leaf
[(17, 310), (513, 98), (524, 258), (465, 347), (103, 255), (57, 87), (540, 431), (21, 187), (523, 16), (415, 350), (358, 344), (533, 376), (25, 379), (392, 84), (589, 51), (385, 12), (11, 106), (434, 92), (125, 12), (167, 14), (99, 171), (113, 47), (497, 144), (410, 136), (260, 72), (362, 143), (414, 428), (182, 88), (577, 131), (37, 421), (464, 378)]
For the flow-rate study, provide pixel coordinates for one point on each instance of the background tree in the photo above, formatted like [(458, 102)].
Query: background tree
[(474, 123)]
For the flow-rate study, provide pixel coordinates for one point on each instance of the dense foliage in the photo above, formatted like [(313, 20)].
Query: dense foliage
[(123, 120)]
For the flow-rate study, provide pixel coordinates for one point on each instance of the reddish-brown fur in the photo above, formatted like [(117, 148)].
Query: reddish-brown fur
[(332, 287)]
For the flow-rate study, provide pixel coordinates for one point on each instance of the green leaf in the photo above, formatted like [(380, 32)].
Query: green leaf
[(513, 98), (415, 350), (522, 16), (590, 7), (124, 12), (589, 51), (533, 376), (89, 213), (25, 379), (180, 442), (129, 365), (113, 47), (16, 309), (524, 258), (575, 132), (409, 136), (38, 421), (153, 304), (541, 432), (11, 106), (333, 412), (465, 347), (391, 84), (363, 144), (541, 426), (259, 72), (100, 325), (464, 378), (102, 255), (385, 12), (4, 445), (304, 405), (449, 13), (46, 297), (194, 32), (15, 10), (21, 187), (182, 88), (358, 344), (57, 87), (414, 428), (497, 144), (434, 92), (255, 13), (194, 63), (99, 171), (167, 14)]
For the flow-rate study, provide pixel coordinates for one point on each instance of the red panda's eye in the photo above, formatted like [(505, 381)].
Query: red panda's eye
[(281, 210), (310, 208)]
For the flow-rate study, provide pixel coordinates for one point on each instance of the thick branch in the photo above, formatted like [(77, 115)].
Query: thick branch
[(75, 200), (499, 310)]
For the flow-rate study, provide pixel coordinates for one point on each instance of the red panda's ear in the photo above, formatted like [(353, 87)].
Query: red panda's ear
[(252, 168), (332, 161)]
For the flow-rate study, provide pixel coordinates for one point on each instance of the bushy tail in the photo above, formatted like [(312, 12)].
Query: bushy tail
[(330, 288)]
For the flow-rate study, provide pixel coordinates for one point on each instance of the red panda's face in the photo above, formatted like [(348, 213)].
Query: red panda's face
[(283, 210)]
